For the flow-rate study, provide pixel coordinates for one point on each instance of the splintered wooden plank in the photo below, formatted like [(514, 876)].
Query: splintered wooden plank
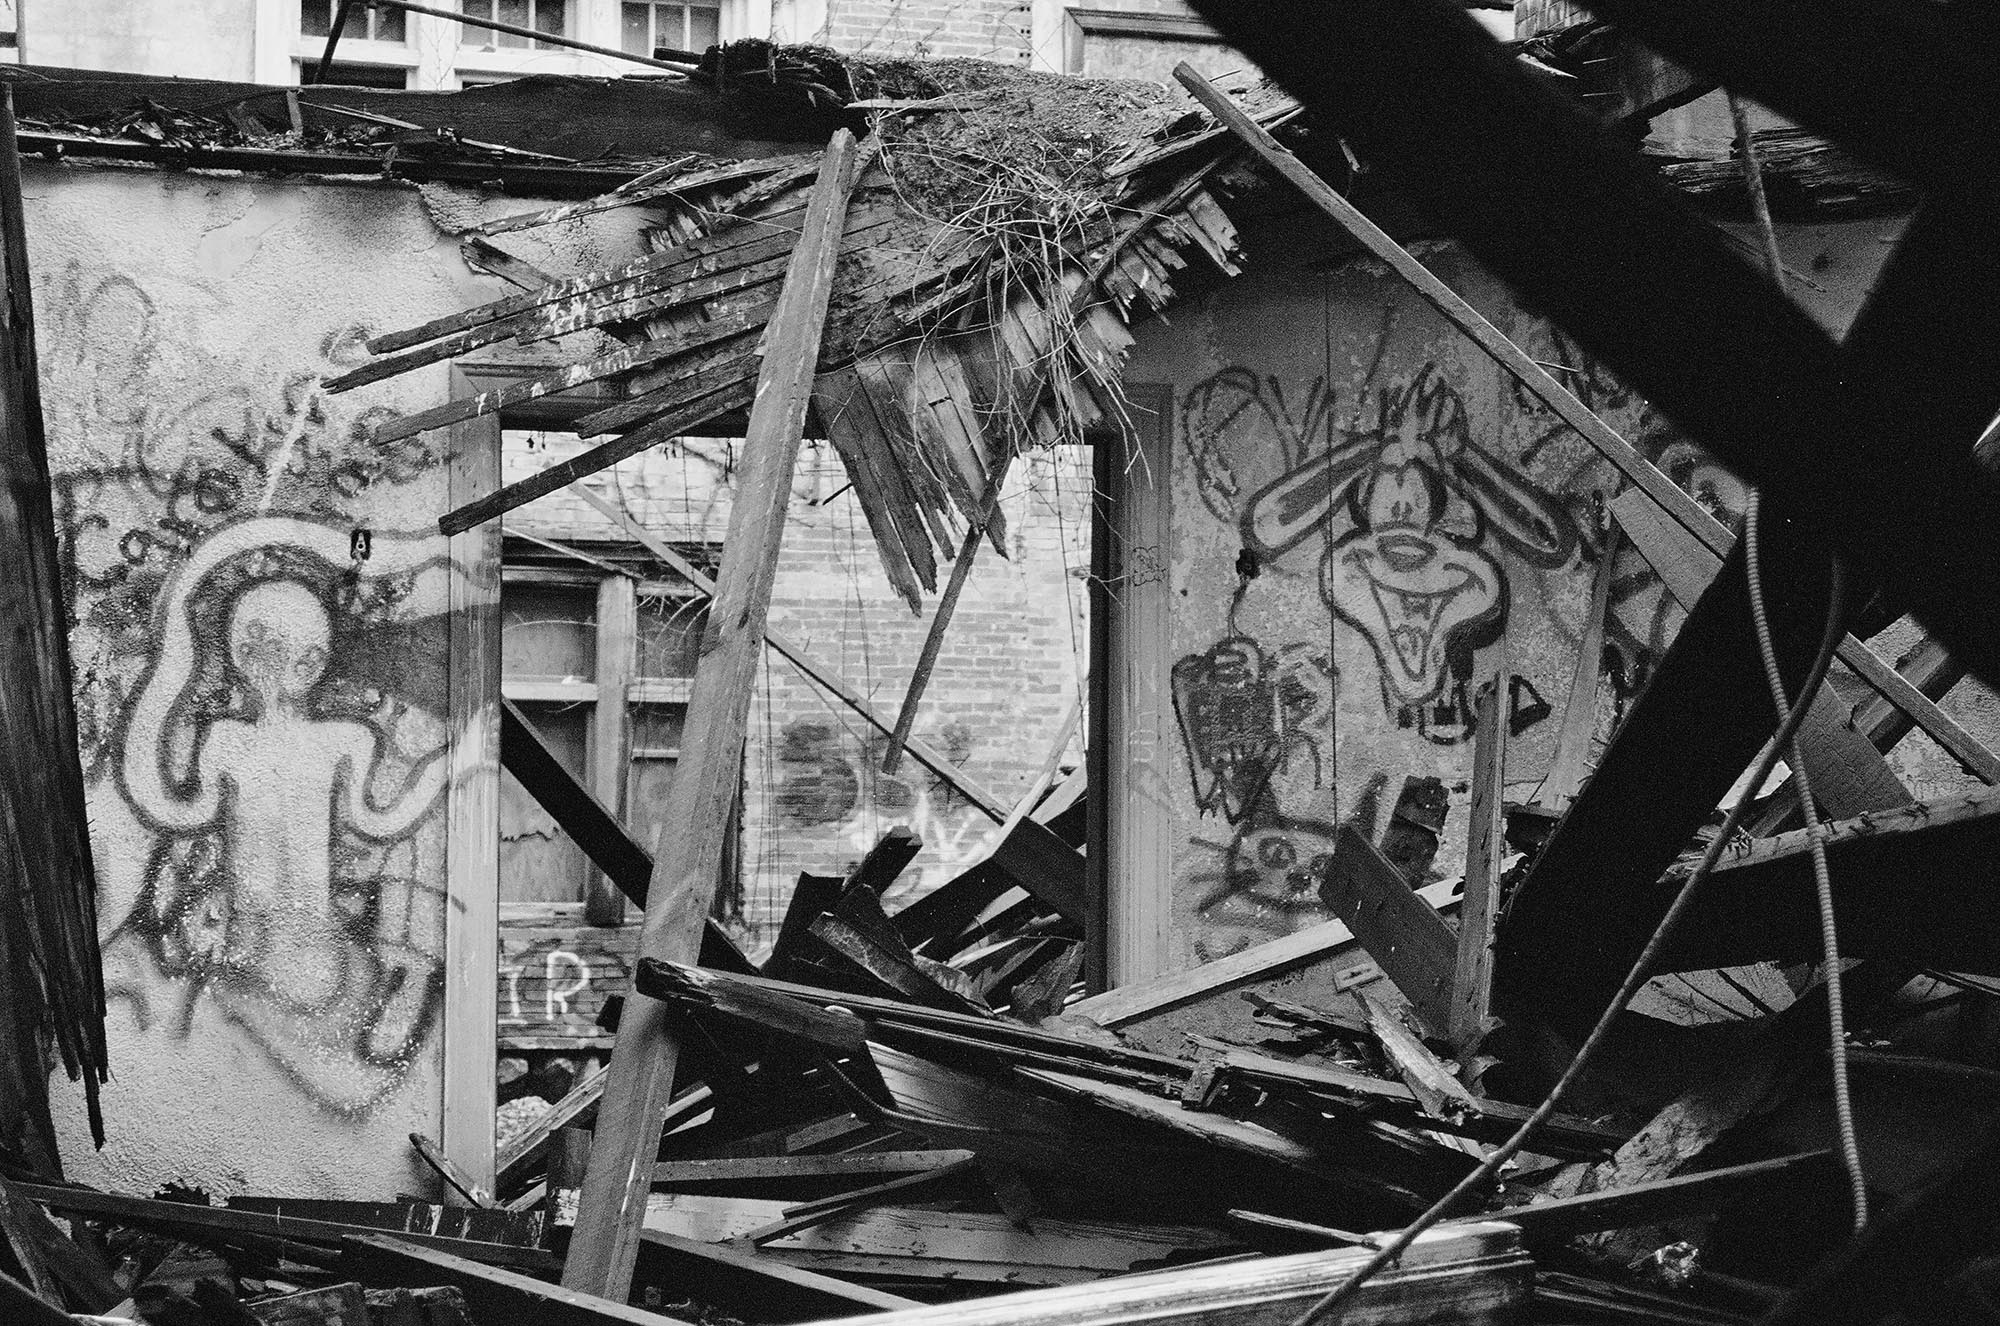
[(839, 1165), (1705, 1193), (1457, 1275), (1848, 774), (722, 340), (721, 392), (1402, 932), (1486, 843), (723, 1273), (588, 822), (706, 779), (911, 570), (491, 1293)]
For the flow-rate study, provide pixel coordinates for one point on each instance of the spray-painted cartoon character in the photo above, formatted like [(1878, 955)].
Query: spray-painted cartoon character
[(1406, 506), (277, 811)]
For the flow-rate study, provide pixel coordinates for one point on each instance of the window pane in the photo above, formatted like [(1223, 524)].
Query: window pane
[(515, 12), (548, 631), (315, 17), (669, 636), (552, 16), (538, 861), (704, 27), (388, 24), (477, 9), (656, 730), (636, 37)]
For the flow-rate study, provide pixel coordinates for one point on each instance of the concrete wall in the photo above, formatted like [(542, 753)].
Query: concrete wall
[(1318, 653), (262, 712)]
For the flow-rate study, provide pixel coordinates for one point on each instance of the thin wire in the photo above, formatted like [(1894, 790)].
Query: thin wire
[(1843, 1105), (1638, 976)]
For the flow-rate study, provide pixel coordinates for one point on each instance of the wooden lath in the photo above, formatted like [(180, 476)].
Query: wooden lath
[(928, 378)]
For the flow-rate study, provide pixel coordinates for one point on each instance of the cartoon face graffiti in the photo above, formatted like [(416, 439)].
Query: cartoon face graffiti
[(1408, 508)]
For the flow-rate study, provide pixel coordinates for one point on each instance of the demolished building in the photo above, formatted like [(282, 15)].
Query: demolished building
[(1384, 569)]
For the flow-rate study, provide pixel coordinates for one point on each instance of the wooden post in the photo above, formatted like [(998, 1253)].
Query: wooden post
[(472, 808), (1485, 842), (617, 631), (689, 855), (48, 890)]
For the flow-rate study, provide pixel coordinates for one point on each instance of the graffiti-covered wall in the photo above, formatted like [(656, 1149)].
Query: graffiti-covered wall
[(259, 601), (1360, 508)]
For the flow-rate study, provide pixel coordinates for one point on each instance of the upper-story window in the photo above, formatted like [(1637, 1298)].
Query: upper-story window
[(370, 23), (648, 27), (550, 16)]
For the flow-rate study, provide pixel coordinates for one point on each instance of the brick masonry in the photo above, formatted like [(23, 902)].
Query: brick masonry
[(815, 796)]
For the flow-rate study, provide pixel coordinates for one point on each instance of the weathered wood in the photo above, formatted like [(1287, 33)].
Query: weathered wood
[(1464, 1276), (1147, 999), (1908, 884), (886, 960), (1848, 774), (472, 807), (54, 986), (672, 1173), (610, 760), (471, 1223), (455, 1178), (333, 1305), (712, 395), (211, 1224), (1702, 1193), (18, 1303), (1486, 843), (707, 777), (723, 1274), (1436, 1089), (815, 671), (491, 1293), (1402, 932), (44, 1251), (588, 822)]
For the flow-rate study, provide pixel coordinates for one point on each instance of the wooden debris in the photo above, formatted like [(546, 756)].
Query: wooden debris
[(1400, 930)]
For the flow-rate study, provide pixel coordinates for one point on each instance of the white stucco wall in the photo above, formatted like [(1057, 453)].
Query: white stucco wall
[(262, 715)]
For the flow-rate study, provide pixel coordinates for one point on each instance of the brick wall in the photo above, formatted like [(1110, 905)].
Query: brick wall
[(815, 796)]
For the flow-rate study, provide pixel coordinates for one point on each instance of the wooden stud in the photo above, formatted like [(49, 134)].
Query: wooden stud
[(1486, 843), (472, 808), (1402, 932), (491, 1292), (815, 671), (612, 1210), (617, 663)]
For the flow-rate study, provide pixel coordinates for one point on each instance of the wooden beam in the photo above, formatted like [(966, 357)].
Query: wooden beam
[(764, 1288), (1910, 884), (456, 1179), (1129, 1004), (574, 807), (840, 1165), (1463, 1275), (1402, 932), (491, 1293), (826, 678), (636, 1095), (53, 988), (1486, 843), (1704, 1193), (610, 758), (472, 807)]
